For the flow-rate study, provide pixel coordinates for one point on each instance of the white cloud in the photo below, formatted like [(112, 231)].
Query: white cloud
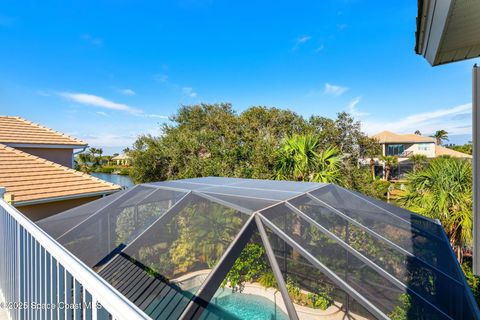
[(159, 116), (127, 92), (92, 40), (334, 90), (96, 101), (352, 108), (300, 41), (159, 77), (109, 140), (320, 48), (93, 100), (114, 139), (455, 120), (189, 92)]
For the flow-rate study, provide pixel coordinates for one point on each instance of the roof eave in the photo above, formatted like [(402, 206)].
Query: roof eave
[(42, 145), (63, 198)]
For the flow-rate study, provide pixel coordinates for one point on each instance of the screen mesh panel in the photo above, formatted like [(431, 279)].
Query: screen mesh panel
[(332, 248)]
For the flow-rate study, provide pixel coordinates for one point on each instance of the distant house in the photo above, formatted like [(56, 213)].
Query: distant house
[(122, 160), (36, 170), (405, 145), (38, 140)]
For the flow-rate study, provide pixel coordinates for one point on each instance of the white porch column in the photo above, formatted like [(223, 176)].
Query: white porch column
[(476, 168)]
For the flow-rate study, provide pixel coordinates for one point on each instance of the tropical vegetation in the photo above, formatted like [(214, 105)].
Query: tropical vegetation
[(419, 161), (260, 142), (440, 136), (214, 140), (465, 148), (93, 160), (390, 162), (443, 190)]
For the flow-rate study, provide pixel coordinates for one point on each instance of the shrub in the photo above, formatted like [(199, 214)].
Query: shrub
[(401, 312), (106, 169), (320, 300), (124, 172), (294, 290), (268, 280), (248, 267)]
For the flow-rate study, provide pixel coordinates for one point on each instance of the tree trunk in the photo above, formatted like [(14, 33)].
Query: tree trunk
[(372, 168)]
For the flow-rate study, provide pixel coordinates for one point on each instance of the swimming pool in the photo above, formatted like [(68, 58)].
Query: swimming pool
[(229, 305)]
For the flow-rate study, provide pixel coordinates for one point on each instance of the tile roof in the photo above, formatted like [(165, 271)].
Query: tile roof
[(18, 130), (442, 151), (29, 178), (390, 137), (122, 157)]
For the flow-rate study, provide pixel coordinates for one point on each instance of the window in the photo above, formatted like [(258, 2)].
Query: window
[(395, 149), (422, 147)]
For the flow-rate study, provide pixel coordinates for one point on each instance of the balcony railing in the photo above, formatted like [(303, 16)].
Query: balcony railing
[(405, 154), (39, 279)]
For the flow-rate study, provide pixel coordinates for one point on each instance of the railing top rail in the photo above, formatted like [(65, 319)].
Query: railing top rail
[(112, 300)]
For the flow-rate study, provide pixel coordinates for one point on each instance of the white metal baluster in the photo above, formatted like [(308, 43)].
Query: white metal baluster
[(68, 294), (76, 299), (61, 290), (34, 277)]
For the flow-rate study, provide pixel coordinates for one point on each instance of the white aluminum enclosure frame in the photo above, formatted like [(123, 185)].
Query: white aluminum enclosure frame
[(331, 218)]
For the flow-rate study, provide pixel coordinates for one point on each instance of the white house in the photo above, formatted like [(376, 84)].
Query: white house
[(405, 145)]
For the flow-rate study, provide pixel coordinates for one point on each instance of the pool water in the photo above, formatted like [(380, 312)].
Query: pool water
[(243, 306)]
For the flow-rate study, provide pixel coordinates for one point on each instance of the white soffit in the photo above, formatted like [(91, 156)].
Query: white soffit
[(448, 30)]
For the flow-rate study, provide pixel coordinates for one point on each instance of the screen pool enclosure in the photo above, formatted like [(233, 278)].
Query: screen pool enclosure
[(191, 248)]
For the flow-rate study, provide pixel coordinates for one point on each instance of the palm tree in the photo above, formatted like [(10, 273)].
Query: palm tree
[(443, 191), (372, 168), (419, 160), (389, 162), (418, 133), (440, 136), (83, 160), (299, 159)]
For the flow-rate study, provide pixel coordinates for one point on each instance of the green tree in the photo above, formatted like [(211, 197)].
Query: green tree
[(262, 130), (417, 132), (440, 136), (389, 162), (83, 161), (345, 134), (419, 161), (443, 190), (151, 162), (213, 140), (300, 159), (95, 156)]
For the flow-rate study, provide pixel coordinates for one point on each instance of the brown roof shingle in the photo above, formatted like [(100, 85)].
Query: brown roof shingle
[(18, 130), (29, 178), (390, 137), (442, 151)]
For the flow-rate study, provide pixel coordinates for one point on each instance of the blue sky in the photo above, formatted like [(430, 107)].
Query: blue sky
[(107, 71)]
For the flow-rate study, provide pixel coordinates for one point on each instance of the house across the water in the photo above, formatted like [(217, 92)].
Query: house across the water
[(122, 160), (406, 145), (36, 170)]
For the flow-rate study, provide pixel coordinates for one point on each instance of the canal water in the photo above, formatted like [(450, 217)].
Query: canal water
[(124, 181)]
